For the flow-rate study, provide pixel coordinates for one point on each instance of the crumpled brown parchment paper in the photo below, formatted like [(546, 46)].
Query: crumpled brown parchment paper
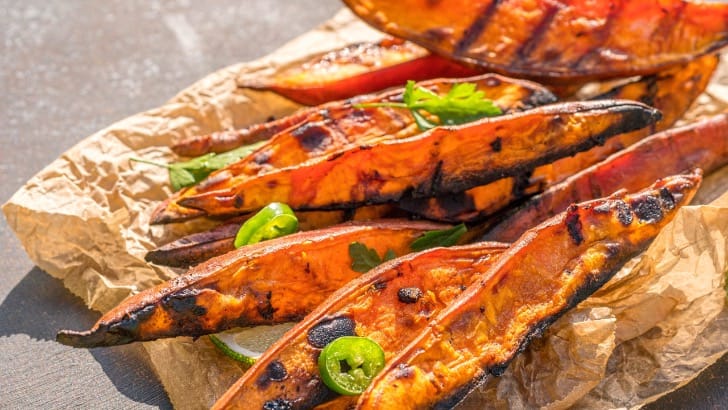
[(85, 220)]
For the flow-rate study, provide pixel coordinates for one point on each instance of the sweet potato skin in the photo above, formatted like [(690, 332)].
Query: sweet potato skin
[(275, 281), (548, 270), (337, 127), (358, 69), (672, 92), (557, 41), (198, 247), (439, 161), (703, 144), (374, 304)]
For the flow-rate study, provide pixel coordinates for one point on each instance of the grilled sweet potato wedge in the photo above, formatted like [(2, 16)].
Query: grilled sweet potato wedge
[(702, 144), (198, 247), (358, 69), (270, 282), (319, 131), (393, 302), (563, 41), (439, 161), (550, 269), (671, 91)]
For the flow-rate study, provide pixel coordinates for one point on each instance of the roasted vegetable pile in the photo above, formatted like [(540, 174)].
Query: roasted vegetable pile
[(447, 215)]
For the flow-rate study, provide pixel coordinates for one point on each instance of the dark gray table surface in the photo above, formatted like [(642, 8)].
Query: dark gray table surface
[(70, 68)]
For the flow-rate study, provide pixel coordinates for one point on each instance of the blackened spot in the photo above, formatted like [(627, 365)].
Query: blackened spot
[(624, 213), (265, 308), (130, 324), (276, 371), (521, 182), (497, 145), (277, 404), (199, 310), (327, 330), (498, 370), (409, 295), (403, 371), (237, 201), (311, 136), (648, 209), (182, 301), (380, 285), (573, 225), (668, 201), (482, 309), (270, 118)]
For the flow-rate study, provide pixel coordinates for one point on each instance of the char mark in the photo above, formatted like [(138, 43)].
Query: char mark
[(471, 34), (537, 35), (313, 136), (573, 225), (409, 295), (648, 209), (327, 330)]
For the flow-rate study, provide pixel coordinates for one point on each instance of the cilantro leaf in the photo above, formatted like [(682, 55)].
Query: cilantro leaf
[(187, 173), (364, 259), (462, 104), (443, 237)]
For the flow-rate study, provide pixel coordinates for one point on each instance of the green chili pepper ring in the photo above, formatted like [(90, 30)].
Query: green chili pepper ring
[(276, 219), (349, 363)]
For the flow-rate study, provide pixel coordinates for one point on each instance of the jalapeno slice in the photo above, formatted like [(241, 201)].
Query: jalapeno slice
[(276, 219), (349, 363)]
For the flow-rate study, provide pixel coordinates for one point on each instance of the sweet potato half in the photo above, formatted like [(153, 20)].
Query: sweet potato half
[(562, 41), (550, 269), (275, 281), (439, 161), (339, 117), (357, 69)]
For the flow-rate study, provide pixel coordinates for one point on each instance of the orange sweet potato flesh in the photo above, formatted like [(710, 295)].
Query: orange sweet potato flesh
[(509, 94), (391, 304), (550, 269), (563, 41), (439, 161), (198, 247), (358, 69), (336, 128), (671, 91), (702, 144), (275, 281)]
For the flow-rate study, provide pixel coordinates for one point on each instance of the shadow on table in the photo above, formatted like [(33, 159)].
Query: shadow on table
[(40, 305)]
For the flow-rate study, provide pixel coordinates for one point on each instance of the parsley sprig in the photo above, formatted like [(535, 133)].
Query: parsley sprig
[(187, 173), (364, 258), (462, 104)]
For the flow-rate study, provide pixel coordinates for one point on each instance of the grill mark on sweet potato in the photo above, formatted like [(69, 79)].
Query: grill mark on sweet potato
[(471, 34)]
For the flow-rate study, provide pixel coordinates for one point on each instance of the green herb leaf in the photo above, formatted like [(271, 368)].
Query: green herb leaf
[(187, 173), (364, 259), (462, 104), (444, 237)]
